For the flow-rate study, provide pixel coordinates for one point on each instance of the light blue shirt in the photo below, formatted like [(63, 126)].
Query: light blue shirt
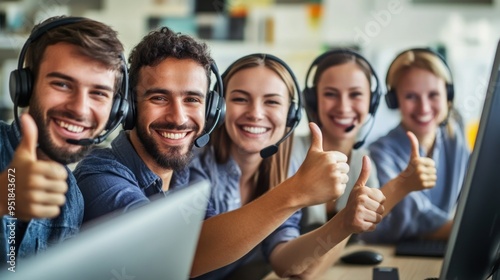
[(420, 212), (225, 197)]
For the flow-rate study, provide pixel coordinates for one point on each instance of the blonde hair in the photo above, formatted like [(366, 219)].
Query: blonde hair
[(422, 59), (273, 170), (426, 60)]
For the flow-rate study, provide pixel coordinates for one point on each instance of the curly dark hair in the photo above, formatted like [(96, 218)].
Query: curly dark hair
[(161, 44)]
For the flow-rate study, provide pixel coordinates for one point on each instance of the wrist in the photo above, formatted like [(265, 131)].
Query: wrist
[(395, 190), (288, 194), (337, 227)]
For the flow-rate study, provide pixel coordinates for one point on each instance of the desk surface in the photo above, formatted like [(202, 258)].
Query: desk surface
[(417, 268)]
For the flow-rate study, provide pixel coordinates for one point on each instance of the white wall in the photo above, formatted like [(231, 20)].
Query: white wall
[(380, 27), (384, 27)]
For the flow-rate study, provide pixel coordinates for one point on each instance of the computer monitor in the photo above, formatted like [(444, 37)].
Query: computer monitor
[(155, 241), (474, 244)]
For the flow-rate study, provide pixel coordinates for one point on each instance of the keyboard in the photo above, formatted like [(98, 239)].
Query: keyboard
[(421, 248)]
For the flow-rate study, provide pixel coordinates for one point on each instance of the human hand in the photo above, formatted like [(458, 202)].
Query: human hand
[(420, 173), (323, 175), (39, 186), (365, 205)]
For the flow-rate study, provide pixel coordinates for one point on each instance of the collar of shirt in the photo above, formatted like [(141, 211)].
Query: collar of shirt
[(126, 154)]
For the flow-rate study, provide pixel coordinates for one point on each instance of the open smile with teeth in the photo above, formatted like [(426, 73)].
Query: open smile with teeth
[(173, 136), (70, 127), (254, 130), (343, 121), (424, 119)]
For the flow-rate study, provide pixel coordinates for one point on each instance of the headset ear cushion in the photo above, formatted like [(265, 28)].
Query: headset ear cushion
[(375, 102), (450, 92), (114, 113), (391, 99), (21, 86), (130, 117), (222, 111), (211, 110), (291, 117), (311, 99)]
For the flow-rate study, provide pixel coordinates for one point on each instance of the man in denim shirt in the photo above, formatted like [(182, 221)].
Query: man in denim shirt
[(40, 202), (169, 80)]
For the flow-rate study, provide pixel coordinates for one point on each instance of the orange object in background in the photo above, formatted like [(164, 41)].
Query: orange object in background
[(314, 11), (471, 133)]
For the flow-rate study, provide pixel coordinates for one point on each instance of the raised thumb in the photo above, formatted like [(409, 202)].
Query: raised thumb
[(415, 153), (29, 137), (365, 172), (316, 138)]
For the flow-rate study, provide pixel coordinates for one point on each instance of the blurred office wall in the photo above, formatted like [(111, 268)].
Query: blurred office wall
[(296, 31)]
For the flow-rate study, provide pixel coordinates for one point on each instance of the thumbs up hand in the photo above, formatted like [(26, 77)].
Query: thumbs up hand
[(421, 171), (322, 176), (40, 186), (365, 205)]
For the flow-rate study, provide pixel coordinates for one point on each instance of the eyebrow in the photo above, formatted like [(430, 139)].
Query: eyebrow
[(265, 95), (163, 91), (71, 79), (336, 89)]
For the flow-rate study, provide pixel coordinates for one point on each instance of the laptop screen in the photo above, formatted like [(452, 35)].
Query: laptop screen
[(156, 241)]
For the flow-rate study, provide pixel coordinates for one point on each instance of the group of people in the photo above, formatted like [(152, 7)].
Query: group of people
[(267, 185)]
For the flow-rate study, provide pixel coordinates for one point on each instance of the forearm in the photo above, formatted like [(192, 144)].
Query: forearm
[(317, 269), (394, 191), (241, 230), (442, 233), (305, 255)]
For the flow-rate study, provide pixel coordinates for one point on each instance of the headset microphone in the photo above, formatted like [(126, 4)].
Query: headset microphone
[(361, 142), (358, 145), (271, 150), (202, 140), (350, 128), (90, 141)]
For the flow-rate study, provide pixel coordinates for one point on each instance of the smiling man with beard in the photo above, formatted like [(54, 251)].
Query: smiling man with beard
[(169, 80)]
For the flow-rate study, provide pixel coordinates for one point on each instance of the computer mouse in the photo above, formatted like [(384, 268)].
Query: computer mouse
[(366, 257)]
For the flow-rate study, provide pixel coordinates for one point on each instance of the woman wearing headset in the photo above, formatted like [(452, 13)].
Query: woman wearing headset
[(259, 90), (419, 84), (341, 101)]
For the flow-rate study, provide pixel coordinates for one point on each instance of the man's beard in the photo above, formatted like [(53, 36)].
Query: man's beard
[(48, 147), (172, 158)]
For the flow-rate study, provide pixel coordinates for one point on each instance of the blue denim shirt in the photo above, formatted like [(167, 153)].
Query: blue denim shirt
[(423, 211), (39, 233), (225, 197), (117, 178)]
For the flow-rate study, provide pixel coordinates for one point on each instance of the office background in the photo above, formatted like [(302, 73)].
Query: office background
[(465, 31)]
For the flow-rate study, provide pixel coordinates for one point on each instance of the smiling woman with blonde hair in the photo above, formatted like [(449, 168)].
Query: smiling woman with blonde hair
[(420, 86)]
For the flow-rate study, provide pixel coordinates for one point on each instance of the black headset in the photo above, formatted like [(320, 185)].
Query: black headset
[(310, 94), (311, 97), (21, 84), (294, 110), (391, 98), (215, 110)]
